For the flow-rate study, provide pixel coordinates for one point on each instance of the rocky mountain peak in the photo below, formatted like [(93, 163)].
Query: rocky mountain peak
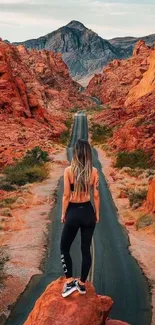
[(76, 25), (84, 51)]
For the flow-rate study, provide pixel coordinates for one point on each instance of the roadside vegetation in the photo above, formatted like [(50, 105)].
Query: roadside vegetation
[(3, 258), (144, 221), (65, 135), (140, 172), (74, 110), (97, 108), (100, 133), (7, 202), (136, 196), (31, 168), (137, 158)]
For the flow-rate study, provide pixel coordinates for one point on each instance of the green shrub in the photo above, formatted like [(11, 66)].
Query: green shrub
[(137, 158), (30, 169), (100, 133), (145, 221), (135, 172), (35, 156), (68, 123), (74, 110), (3, 258), (136, 197), (7, 202), (22, 174), (96, 108), (64, 137), (7, 187)]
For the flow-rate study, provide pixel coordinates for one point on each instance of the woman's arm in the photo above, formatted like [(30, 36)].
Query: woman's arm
[(96, 196), (66, 195)]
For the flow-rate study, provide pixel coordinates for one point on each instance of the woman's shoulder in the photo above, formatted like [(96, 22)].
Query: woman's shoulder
[(68, 169), (95, 170), (94, 173)]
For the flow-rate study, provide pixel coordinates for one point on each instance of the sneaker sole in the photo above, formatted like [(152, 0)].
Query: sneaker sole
[(66, 294), (81, 292)]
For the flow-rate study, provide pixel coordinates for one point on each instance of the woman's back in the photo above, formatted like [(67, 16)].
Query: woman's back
[(83, 196)]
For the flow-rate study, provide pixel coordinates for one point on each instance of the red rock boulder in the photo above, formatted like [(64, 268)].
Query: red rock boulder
[(51, 308)]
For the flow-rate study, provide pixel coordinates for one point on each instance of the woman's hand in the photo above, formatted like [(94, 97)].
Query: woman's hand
[(97, 218), (63, 218)]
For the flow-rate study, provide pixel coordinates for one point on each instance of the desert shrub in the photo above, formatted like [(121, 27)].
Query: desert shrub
[(137, 158), (35, 156), (151, 172), (65, 135), (135, 172), (74, 110), (7, 202), (7, 187), (145, 221), (22, 174), (143, 121), (100, 133), (106, 106), (3, 258), (30, 169), (96, 108), (136, 197), (68, 123)]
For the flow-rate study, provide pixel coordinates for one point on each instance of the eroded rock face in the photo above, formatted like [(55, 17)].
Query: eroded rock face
[(150, 200), (128, 87), (51, 308), (36, 93), (34, 82), (119, 76), (144, 91)]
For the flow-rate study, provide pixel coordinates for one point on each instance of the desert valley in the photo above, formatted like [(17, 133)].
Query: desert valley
[(45, 85)]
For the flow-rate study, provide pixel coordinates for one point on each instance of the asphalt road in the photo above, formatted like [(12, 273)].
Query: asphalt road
[(114, 271)]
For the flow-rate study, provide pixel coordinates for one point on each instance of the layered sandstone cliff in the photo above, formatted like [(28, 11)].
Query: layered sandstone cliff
[(36, 92), (128, 89), (118, 77)]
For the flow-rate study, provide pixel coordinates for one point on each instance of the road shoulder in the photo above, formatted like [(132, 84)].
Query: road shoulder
[(142, 242), (25, 236)]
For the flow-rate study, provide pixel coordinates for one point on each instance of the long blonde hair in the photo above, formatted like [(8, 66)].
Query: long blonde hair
[(81, 166)]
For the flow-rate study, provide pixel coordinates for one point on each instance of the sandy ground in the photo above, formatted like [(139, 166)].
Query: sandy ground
[(142, 242), (24, 238)]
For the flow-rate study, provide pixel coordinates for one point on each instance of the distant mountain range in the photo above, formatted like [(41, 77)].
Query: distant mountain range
[(84, 52)]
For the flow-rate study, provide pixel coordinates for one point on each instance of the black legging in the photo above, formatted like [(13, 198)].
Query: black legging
[(78, 215)]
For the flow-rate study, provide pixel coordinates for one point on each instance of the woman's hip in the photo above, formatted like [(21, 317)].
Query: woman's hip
[(80, 213)]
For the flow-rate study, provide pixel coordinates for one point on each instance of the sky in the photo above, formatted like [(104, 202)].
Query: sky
[(26, 19)]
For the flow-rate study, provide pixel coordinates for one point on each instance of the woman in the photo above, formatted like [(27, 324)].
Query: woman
[(78, 212)]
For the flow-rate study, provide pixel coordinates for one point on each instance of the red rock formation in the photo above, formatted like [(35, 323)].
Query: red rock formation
[(119, 76), (36, 92), (139, 95), (150, 199), (51, 308), (128, 86)]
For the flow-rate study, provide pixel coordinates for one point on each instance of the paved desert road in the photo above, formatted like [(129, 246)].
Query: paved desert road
[(114, 271)]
